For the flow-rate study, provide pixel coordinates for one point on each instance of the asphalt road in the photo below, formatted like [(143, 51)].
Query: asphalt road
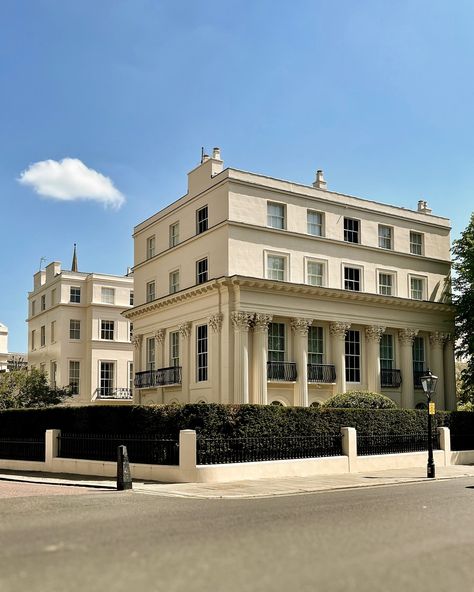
[(408, 537)]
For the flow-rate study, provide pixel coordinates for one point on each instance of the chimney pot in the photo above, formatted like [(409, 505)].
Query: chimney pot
[(319, 182), (216, 153)]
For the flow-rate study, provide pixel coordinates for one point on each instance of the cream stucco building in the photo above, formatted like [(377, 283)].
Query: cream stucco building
[(9, 360), (77, 334), (251, 289)]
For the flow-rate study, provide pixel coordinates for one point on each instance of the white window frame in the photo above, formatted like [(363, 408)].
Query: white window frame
[(355, 356), (43, 336), (78, 362), (286, 270), (359, 230), (385, 361), (384, 238), (174, 236), (424, 284), (114, 373), (393, 275), (148, 295), (75, 329), (53, 331), (107, 295), (130, 375), (150, 360), (151, 246), (271, 216), (421, 245), (174, 346), (309, 224), (173, 284), (323, 262), (198, 274), (203, 356), (322, 353), (78, 288), (361, 276), (33, 308), (204, 221), (114, 330)]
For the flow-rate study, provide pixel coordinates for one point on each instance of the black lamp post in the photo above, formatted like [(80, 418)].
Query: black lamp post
[(429, 382)]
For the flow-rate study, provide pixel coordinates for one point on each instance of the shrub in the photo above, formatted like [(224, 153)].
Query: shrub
[(359, 400)]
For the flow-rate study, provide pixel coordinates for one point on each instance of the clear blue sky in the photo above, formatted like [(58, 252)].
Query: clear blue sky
[(379, 94)]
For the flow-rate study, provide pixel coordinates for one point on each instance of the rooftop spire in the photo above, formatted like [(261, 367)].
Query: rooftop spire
[(74, 259)]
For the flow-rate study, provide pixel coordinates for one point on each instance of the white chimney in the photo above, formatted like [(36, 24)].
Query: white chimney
[(216, 153), (423, 207), (319, 182)]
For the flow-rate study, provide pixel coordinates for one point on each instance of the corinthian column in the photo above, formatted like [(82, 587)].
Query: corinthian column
[(137, 364), (437, 341), (260, 357), (449, 374), (185, 332), (373, 335), (300, 329), (406, 338), (241, 322), (338, 331)]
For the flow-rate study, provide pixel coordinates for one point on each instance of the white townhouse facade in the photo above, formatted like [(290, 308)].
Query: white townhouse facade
[(251, 289), (78, 336), (9, 360)]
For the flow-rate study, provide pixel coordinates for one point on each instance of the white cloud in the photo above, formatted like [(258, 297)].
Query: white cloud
[(70, 179)]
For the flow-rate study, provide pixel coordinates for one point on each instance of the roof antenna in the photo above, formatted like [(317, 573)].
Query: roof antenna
[(202, 154)]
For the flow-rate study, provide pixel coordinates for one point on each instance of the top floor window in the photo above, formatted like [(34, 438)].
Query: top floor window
[(174, 234), (33, 307), (53, 296), (385, 237), (416, 243), (150, 291), (150, 247), (131, 298), (202, 220), (315, 223), (43, 302), (108, 295), (351, 230), (276, 215), (202, 271), (75, 294)]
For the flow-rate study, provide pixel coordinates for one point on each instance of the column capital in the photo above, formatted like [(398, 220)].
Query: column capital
[(241, 320), (300, 326), (438, 339), (137, 340), (215, 321), (339, 329), (407, 336), (185, 329), (261, 322), (374, 333), (160, 335)]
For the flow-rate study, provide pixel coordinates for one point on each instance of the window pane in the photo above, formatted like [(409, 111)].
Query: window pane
[(174, 282), (107, 330), (276, 215), (351, 230), (385, 284), (418, 354), (385, 237), (352, 348), (386, 352), (416, 288), (174, 234), (276, 342), (352, 278), (315, 345), (150, 353), (416, 243), (150, 247), (150, 291), (201, 220), (201, 271), (276, 268), (315, 223), (74, 376), (315, 273), (75, 294), (108, 295), (174, 348), (201, 349)]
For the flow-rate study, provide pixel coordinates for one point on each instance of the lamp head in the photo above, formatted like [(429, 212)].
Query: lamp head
[(429, 382)]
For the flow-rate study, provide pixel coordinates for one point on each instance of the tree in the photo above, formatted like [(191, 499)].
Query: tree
[(463, 298), (29, 388)]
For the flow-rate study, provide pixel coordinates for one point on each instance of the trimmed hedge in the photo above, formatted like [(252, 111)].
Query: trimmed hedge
[(215, 420), (359, 400)]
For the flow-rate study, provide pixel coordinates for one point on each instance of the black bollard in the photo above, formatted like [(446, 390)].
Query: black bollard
[(124, 477)]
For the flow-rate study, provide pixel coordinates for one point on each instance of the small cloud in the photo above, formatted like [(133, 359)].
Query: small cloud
[(70, 179)]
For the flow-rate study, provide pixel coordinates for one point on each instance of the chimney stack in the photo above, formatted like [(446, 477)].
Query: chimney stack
[(319, 182), (423, 207), (216, 153)]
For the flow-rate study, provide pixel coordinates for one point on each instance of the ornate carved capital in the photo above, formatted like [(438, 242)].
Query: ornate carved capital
[(215, 321), (160, 335), (261, 322), (339, 329), (374, 333), (407, 336), (438, 339), (185, 329), (241, 320), (301, 326), (137, 341)]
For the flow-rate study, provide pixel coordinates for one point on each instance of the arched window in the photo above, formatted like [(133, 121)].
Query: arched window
[(420, 406), (277, 403), (315, 404)]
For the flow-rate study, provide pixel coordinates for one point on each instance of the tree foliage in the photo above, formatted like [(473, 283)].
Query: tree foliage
[(359, 400), (29, 388), (463, 298)]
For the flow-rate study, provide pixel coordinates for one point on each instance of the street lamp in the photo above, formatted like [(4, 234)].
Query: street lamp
[(429, 382)]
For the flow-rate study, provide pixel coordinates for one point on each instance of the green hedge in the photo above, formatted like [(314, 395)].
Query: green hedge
[(223, 420)]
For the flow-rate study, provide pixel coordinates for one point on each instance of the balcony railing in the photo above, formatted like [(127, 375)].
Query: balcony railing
[(284, 371), (160, 377), (321, 373), (124, 394), (390, 377)]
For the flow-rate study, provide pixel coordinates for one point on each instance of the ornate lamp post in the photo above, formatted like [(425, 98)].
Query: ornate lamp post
[(429, 382)]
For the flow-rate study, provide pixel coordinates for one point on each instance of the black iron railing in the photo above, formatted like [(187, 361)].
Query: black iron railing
[(236, 450), (114, 393), (390, 378), (417, 374), (462, 441), (160, 377), (321, 373), (22, 448), (141, 449), (284, 371), (394, 443)]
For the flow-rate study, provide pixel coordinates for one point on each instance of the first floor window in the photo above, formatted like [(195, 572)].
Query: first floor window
[(150, 353), (75, 294), (43, 336), (202, 353), (276, 268), (416, 288), (386, 284), (74, 376), (416, 243), (174, 282), (385, 237), (43, 302), (33, 339), (174, 234), (174, 348), (351, 230), (150, 291), (315, 223), (276, 342), (130, 375), (107, 374), (418, 356), (107, 330), (386, 352), (315, 345), (131, 299), (53, 331), (352, 278), (276, 215), (201, 271), (74, 329), (352, 350), (53, 374), (315, 273), (150, 247), (202, 220)]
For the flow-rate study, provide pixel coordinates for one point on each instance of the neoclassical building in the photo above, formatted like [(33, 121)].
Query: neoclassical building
[(250, 289), (77, 334)]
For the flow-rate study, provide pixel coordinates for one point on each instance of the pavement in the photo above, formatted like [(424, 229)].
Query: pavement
[(258, 488)]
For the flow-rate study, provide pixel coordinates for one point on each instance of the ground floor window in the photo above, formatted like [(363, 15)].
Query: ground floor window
[(352, 350), (74, 376), (315, 345), (107, 376), (202, 353), (174, 348), (276, 342), (150, 354), (418, 355), (386, 352)]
